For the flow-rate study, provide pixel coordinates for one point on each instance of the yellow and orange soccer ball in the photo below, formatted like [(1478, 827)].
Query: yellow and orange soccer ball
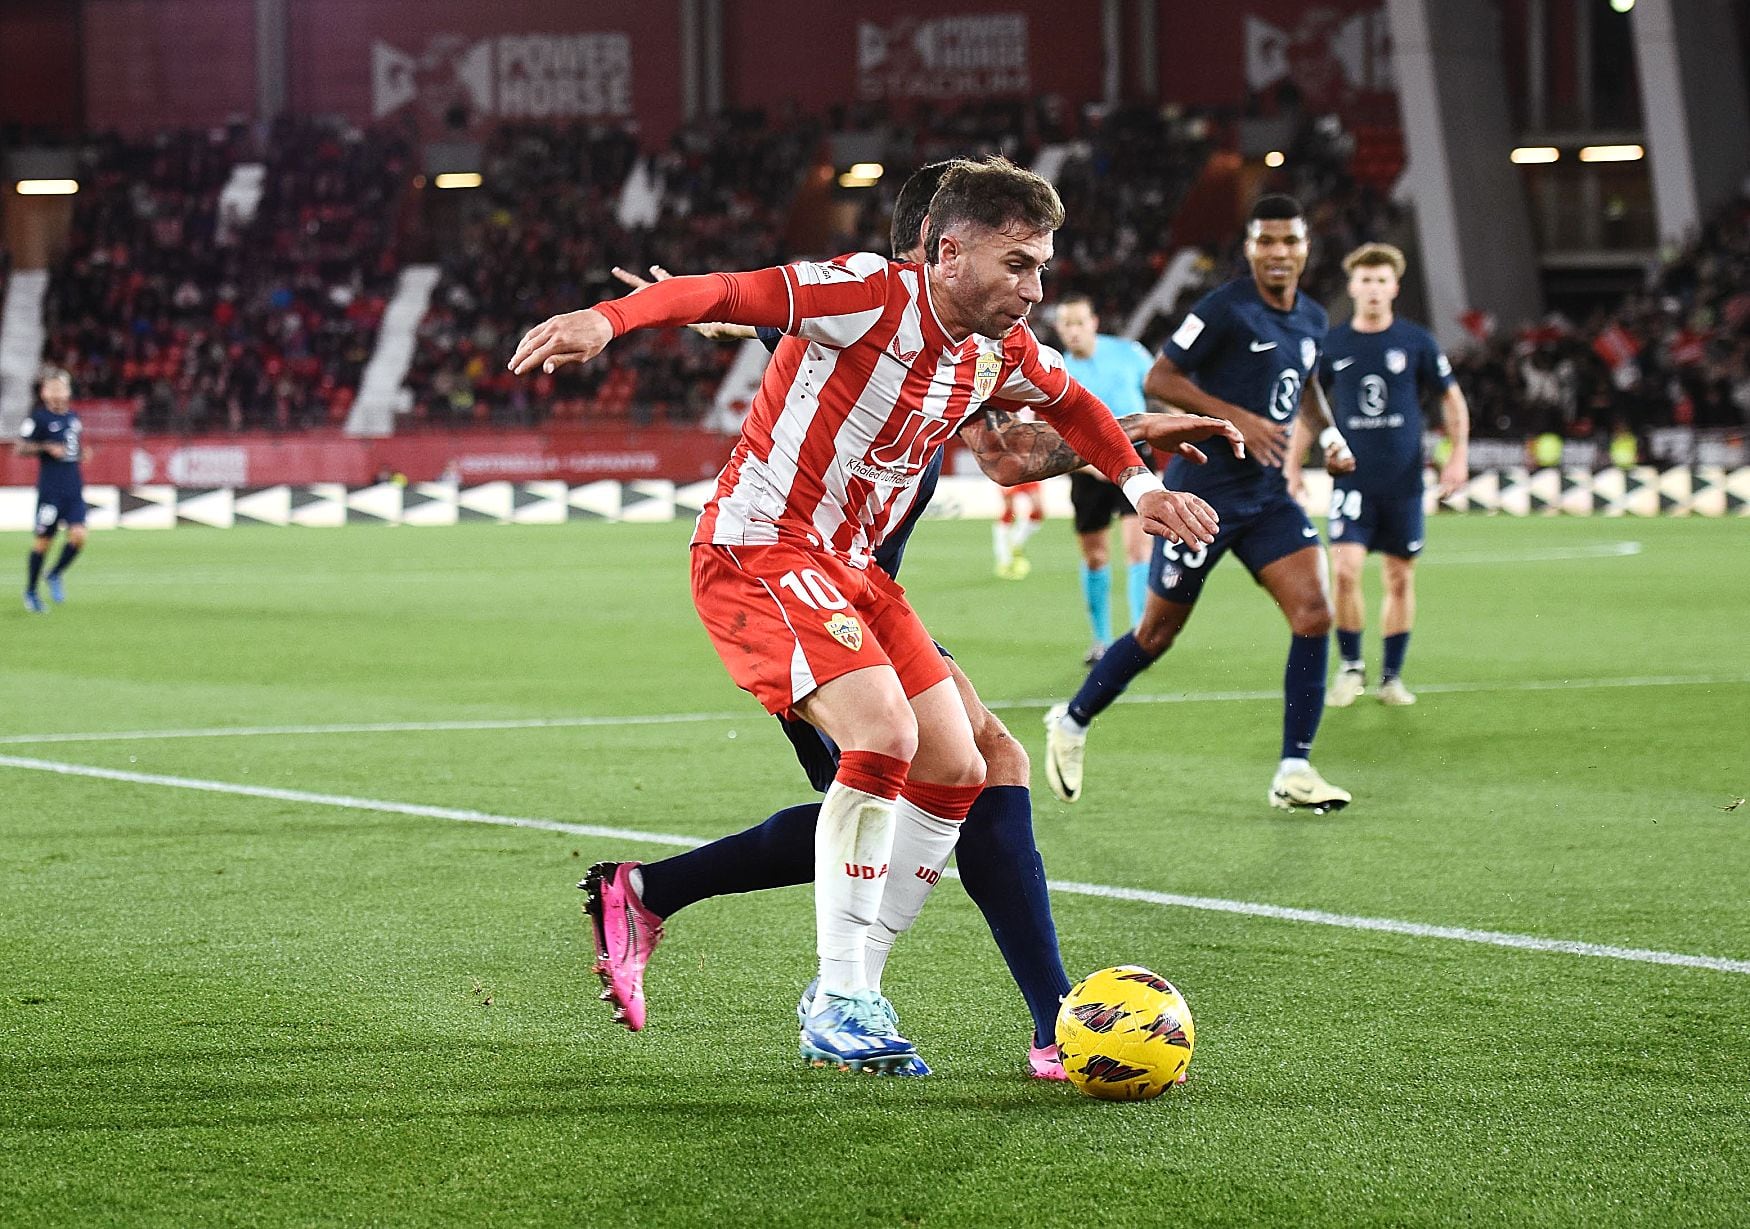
[(1125, 1034)]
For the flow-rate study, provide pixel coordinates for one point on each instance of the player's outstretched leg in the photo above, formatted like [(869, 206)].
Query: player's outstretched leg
[(773, 854), (626, 933)]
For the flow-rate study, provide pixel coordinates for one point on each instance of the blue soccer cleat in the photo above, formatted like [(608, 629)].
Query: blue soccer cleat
[(855, 1032), (57, 590), (32, 602), (805, 1006)]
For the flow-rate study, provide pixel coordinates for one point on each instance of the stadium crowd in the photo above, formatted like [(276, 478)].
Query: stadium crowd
[(221, 320), (215, 317)]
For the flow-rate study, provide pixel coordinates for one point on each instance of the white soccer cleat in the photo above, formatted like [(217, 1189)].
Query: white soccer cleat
[(1346, 689), (1303, 789), (1394, 693), (1063, 755)]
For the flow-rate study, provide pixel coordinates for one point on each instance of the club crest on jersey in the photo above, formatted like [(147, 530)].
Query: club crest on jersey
[(846, 630), (984, 375), (1309, 352), (1395, 361)]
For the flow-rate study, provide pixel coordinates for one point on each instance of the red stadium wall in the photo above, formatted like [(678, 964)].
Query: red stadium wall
[(154, 64), (476, 456), (818, 55), (545, 60), (1335, 54), (39, 65)]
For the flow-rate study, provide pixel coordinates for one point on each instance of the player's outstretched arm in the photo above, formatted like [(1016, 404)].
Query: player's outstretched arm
[(711, 332), (760, 297), (1264, 439), (1316, 411)]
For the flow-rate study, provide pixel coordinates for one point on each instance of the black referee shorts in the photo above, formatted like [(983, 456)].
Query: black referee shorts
[(1096, 502)]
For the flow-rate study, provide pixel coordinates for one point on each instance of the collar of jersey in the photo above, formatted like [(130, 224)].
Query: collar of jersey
[(937, 332)]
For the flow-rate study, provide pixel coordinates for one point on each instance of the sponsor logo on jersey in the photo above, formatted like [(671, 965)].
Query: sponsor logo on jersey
[(908, 357), (846, 630), (984, 375), (1258, 347), (1309, 352), (1372, 396), (1395, 361), (1286, 399)]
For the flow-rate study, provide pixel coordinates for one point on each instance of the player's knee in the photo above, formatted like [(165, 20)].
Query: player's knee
[(1347, 570), (1096, 557), (1399, 583), (1005, 760), (1312, 618)]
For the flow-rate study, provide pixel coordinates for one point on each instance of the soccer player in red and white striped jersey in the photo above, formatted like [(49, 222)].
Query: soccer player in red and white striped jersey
[(881, 362)]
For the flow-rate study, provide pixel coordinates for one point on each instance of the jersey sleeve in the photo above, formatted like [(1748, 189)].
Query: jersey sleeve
[(1199, 335), (1036, 374), (835, 302), (1436, 368)]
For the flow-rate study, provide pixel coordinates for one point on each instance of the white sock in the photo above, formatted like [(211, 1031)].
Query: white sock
[(1005, 551), (1292, 765), (921, 845), (855, 830), (635, 877), (1070, 724), (1025, 529)]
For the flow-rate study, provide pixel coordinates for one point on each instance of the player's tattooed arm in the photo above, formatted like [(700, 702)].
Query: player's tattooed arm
[(1011, 452)]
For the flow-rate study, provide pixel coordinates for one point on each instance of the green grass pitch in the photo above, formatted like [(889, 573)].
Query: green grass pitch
[(226, 1009)]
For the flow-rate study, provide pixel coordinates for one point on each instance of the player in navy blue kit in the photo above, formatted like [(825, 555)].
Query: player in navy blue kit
[(51, 434), (1247, 352), (998, 862), (1378, 369)]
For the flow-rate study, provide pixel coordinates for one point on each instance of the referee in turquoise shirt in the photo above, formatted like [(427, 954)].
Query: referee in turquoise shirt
[(1113, 369)]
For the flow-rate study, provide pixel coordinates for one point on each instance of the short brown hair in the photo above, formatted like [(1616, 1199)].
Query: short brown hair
[(1370, 254), (994, 193)]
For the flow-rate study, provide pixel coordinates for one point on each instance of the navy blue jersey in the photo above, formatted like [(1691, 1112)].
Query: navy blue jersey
[(1376, 383), (1237, 347), (46, 427)]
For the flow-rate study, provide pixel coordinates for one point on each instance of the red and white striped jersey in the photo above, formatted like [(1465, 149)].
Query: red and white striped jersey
[(866, 385)]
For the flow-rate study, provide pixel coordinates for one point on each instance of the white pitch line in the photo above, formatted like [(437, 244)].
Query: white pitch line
[(1542, 554), (1212, 904), (566, 723)]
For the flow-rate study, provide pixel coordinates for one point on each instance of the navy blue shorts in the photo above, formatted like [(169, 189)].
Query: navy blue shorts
[(818, 754), (1389, 524), (1257, 533), (56, 508)]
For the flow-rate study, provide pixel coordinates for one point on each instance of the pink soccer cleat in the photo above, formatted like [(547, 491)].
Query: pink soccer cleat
[(626, 933), (1045, 1062)]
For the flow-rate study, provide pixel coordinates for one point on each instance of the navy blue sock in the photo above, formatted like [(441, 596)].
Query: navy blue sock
[(775, 854), (1395, 648), (69, 552), (36, 571), (1004, 876), (1349, 645), (1124, 660), (1303, 694)]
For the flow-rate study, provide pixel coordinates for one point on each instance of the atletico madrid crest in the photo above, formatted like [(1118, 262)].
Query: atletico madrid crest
[(846, 630), (984, 375)]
